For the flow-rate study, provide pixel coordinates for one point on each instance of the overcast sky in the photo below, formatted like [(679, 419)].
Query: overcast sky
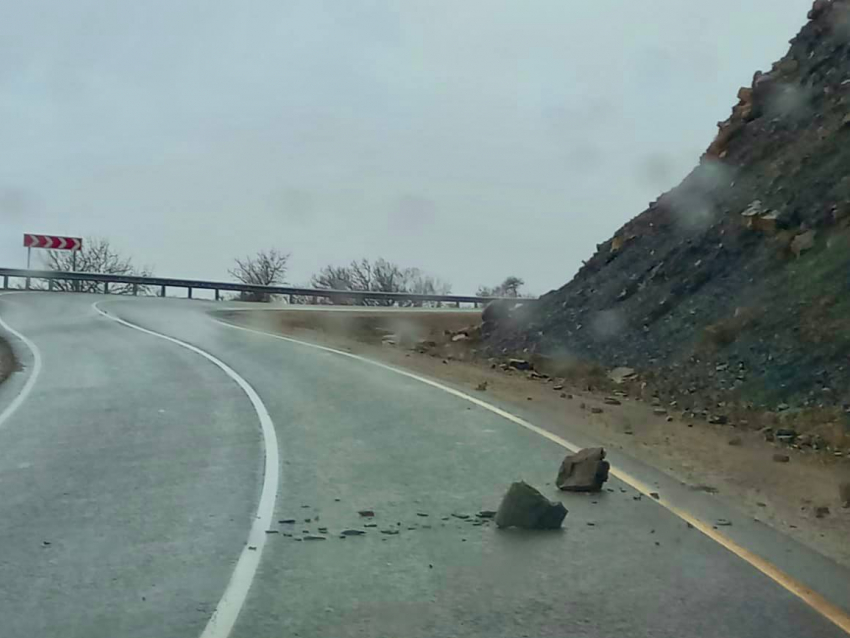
[(472, 138)]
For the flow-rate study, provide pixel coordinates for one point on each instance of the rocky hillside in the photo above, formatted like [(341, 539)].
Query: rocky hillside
[(735, 285)]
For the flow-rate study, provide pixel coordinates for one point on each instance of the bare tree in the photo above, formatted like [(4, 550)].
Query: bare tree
[(266, 268), (510, 287), (97, 256), (379, 276)]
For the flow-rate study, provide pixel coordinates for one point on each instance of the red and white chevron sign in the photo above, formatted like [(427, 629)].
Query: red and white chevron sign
[(52, 242)]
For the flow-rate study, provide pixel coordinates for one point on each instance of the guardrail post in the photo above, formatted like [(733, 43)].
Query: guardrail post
[(105, 287), (28, 283), (50, 285), (5, 282), (190, 292), (135, 290), (162, 292), (217, 294)]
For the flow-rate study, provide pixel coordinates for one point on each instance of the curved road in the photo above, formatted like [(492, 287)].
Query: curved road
[(132, 475)]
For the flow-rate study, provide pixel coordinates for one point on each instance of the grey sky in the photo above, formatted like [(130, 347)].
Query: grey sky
[(472, 138)]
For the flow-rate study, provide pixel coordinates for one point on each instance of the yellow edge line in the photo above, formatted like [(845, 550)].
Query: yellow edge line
[(816, 601)]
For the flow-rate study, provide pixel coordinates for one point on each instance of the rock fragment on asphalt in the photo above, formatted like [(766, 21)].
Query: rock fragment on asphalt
[(611, 401), (352, 532), (489, 513), (584, 471), (287, 521), (781, 458), (313, 537), (526, 508), (822, 511), (366, 513)]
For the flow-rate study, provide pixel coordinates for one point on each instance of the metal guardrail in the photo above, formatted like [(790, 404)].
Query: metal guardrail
[(137, 283)]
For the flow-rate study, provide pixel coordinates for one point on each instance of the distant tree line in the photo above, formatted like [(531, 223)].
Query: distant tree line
[(269, 268)]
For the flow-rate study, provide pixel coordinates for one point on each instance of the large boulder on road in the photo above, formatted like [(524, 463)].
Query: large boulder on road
[(526, 508), (584, 471)]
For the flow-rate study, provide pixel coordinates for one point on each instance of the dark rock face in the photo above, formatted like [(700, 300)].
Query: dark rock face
[(526, 508), (584, 471)]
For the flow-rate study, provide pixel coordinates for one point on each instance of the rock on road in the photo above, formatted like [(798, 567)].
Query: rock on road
[(131, 474)]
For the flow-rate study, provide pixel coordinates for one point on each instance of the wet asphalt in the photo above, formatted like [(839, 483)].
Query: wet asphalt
[(130, 476)]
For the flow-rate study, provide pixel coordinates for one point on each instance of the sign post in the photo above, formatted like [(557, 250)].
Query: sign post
[(52, 242)]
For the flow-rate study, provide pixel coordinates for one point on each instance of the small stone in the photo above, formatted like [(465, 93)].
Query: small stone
[(558, 387), (595, 410), (287, 521), (735, 440), (423, 514), (272, 531), (659, 411), (821, 511), (390, 532), (46, 543), (337, 500), (760, 504), (366, 513), (307, 520), (611, 401), (312, 537), (352, 532), (253, 548), (461, 516), (589, 524), (563, 395), (669, 419), (655, 495), (486, 514), (305, 506), (722, 522), (582, 405), (370, 525), (781, 458), (481, 387), (528, 399), (323, 530)]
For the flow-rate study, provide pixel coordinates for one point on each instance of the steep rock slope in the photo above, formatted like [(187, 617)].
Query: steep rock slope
[(736, 283)]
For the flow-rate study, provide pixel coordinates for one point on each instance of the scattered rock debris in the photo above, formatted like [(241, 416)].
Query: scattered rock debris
[(287, 521), (390, 532), (584, 471), (486, 514), (352, 532), (821, 511), (655, 495), (313, 537), (596, 410), (722, 522), (611, 401), (481, 387), (526, 508), (366, 513), (781, 458)]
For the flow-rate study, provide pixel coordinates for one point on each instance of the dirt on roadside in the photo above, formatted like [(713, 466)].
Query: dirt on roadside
[(8, 363), (736, 465)]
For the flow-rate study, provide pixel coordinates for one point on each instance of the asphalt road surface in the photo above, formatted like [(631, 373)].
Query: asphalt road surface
[(133, 471)]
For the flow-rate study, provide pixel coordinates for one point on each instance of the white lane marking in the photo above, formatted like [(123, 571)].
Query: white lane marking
[(30, 382), (226, 612), (816, 601)]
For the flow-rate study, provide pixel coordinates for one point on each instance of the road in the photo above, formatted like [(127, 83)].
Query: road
[(134, 469)]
